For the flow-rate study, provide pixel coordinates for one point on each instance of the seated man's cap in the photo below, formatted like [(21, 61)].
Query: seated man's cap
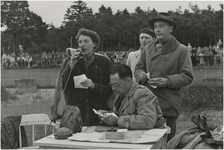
[(163, 16)]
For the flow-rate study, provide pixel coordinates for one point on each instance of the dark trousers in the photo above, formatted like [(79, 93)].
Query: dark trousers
[(171, 122)]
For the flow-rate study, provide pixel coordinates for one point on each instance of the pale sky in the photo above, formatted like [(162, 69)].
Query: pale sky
[(54, 11)]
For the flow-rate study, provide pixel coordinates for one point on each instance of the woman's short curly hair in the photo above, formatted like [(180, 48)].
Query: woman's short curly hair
[(92, 34)]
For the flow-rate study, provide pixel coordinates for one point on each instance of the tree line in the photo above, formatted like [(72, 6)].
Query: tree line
[(118, 31)]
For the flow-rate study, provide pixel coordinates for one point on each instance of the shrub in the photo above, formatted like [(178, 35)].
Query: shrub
[(202, 96), (4, 94)]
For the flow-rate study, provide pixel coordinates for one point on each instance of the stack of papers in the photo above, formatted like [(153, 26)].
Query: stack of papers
[(115, 135)]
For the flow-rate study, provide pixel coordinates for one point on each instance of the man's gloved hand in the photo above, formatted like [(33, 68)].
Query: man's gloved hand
[(158, 82)]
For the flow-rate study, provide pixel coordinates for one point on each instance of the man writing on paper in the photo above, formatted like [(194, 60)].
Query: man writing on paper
[(136, 106)]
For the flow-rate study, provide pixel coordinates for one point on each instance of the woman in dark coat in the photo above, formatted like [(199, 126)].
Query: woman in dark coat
[(97, 69)]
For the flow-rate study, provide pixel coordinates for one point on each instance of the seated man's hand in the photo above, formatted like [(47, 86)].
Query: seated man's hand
[(103, 111), (109, 119)]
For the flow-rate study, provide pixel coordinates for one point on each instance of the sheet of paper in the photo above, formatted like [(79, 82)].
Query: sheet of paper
[(78, 80), (97, 112)]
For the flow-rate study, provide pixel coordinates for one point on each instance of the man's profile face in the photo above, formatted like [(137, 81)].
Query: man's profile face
[(145, 39), (118, 85), (162, 30)]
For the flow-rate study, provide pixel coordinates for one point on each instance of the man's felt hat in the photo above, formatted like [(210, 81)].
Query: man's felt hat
[(165, 17), (147, 31)]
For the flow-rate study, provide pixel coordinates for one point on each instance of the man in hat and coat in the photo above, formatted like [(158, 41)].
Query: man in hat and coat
[(169, 64), (146, 35)]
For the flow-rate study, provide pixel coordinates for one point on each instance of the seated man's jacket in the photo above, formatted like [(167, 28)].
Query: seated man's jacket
[(139, 109)]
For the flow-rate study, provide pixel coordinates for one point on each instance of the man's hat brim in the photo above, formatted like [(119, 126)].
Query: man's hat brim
[(152, 21)]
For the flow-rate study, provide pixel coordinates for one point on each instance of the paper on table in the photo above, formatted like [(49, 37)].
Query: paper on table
[(133, 136), (78, 80)]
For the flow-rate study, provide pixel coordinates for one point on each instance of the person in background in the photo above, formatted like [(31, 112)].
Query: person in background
[(4, 58), (30, 61), (189, 48), (49, 59), (219, 43), (97, 69), (43, 59), (53, 59), (146, 35), (136, 107), (19, 60), (12, 61), (115, 58), (169, 64), (25, 60)]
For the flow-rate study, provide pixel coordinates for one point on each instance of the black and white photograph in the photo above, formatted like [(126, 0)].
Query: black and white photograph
[(111, 74)]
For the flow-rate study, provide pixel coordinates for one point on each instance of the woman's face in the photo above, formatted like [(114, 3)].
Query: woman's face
[(87, 45)]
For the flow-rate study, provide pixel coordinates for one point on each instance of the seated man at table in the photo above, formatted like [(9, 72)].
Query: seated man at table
[(136, 107)]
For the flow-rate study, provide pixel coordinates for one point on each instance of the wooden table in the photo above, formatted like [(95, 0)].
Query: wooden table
[(51, 143)]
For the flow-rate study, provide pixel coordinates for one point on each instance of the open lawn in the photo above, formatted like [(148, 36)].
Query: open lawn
[(41, 100), (46, 78)]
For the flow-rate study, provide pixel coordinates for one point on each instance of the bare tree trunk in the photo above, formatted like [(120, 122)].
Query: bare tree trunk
[(210, 40), (198, 40), (215, 37), (183, 38), (14, 44), (194, 42), (135, 41), (119, 42), (102, 44)]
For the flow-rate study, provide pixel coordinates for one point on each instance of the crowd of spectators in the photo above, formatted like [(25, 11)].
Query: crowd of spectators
[(200, 56), (25, 60), (207, 56)]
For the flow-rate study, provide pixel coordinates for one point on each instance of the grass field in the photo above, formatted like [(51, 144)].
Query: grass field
[(40, 101), (45, 78)]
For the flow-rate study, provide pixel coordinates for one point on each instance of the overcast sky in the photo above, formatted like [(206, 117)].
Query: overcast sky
[(54, 11)]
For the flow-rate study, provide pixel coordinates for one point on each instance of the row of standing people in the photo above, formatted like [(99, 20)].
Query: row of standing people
[(144, 102), (207, 55)]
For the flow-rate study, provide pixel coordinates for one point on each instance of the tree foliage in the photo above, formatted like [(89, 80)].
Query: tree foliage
[(118, 30), (25, 27)]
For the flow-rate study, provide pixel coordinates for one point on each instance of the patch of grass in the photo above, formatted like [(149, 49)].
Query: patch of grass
[(202, 96), (46, 78), (213, 116), (6, 96), (29, 103)]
